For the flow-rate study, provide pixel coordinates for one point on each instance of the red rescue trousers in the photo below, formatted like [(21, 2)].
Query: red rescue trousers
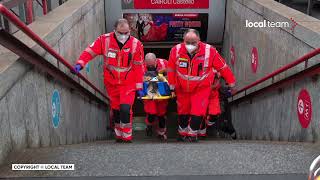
[(156, 108), (213, 110), (123, 94), (191, 105)]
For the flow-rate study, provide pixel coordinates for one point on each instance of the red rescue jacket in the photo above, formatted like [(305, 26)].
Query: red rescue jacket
[(121, 66), (187, 74)]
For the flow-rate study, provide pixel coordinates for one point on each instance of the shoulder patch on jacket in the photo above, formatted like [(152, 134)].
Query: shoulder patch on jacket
[(183, 64), (183, 59)]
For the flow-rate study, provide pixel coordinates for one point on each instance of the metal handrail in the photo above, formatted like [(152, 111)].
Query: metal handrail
[(12, 3), (11, 17), (304, 58)]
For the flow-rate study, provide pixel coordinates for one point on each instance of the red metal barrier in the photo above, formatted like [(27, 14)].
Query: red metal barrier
[(29, 11), (44, 7), (304, 58), (15, 20)]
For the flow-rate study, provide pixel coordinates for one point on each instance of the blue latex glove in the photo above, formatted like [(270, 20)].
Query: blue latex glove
[(140, 93), (229, 93), (77, 68)]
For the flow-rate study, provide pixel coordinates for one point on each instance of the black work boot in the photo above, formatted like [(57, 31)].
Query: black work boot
[(126, 141), (193, 139), (163, 138), (182, 138), (213, 119), (233, 135), (119, 141), (149, 131), (202, 137)]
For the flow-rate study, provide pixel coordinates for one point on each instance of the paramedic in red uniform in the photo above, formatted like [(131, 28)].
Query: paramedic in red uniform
[(123, 73), (190, 74), (214, 114), (214, 108), (156, 109)]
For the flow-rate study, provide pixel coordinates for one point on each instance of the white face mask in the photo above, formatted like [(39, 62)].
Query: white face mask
[(190, 48), (122, 38)]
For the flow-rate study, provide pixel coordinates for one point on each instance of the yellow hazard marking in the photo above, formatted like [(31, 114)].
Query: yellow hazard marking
[(155, 98)]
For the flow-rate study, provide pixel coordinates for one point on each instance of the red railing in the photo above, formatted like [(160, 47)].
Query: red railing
[(16, 21), (44, 7), (28, 14), (304, 58), (29, 11)]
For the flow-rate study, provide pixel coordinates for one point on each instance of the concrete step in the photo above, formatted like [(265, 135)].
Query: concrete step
[(210, 158), (218, 177)]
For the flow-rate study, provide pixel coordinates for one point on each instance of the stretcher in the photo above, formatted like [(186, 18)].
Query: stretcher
[(156, 88)]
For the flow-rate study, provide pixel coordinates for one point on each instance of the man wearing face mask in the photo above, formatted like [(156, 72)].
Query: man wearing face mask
[(190, 74), (123, 73), (156, 109)]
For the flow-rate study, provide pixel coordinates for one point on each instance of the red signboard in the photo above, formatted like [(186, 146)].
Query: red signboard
[(304, 108), (165, 4), (166, 27), (232, 55), (254, 59)]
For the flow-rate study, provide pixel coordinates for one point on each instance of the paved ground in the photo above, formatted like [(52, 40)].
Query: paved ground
[(172, 160), (218, 177)]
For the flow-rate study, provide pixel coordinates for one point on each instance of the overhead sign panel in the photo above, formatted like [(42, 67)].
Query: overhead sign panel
[(165, 4), (166, 27)]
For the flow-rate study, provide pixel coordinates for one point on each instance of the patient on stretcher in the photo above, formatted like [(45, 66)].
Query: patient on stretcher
[(155, 86)]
